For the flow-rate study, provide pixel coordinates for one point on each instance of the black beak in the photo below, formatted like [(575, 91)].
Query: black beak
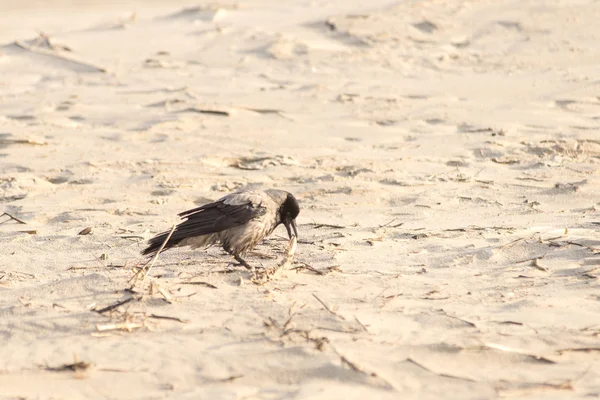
[(289, 224)]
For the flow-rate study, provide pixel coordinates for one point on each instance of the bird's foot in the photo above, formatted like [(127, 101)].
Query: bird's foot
[(243, 262)]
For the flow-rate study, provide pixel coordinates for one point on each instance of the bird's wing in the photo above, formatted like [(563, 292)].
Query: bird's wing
[(251, 198), (230, 211), (219, 217)]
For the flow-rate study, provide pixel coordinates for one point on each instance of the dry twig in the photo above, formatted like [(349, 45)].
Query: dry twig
[(116, 305), (128, 326), (309, 268), (319, 225), (183, 321), (260, 277), (327, 308), (11, 218), (361, 324)]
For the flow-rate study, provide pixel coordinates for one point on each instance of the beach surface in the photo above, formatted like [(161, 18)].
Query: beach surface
[(445, 155)]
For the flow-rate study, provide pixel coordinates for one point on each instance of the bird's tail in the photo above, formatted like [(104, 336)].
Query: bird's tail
[(156, 242)]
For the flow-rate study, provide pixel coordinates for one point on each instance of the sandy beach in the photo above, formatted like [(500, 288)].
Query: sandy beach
[(445, 155)]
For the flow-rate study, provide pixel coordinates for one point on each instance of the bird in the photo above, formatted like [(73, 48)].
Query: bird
[(238, 221)]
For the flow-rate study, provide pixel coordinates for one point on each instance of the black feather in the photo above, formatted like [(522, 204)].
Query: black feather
[(290, 207)]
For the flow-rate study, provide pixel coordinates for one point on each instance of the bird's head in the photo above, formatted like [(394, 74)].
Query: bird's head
[(288, 212)]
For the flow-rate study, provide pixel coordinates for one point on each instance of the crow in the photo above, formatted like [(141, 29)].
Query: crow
[(237, 221)]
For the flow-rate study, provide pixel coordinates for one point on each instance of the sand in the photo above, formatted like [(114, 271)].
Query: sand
[(445, 154)]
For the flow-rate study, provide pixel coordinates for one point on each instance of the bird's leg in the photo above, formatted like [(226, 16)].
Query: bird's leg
[(243, 262)]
